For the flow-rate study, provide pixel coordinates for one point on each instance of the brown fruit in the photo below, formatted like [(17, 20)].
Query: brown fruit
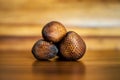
[(72, 47), (43, 50), (53, 31)]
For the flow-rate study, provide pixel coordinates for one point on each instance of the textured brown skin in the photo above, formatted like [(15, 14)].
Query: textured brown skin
[(72, 47), (53, 31), (43, 50)]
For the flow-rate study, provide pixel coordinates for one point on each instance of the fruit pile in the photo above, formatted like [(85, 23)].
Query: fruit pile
[(58, 42)]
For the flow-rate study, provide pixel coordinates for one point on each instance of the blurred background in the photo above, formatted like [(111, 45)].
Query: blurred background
[(97, 21)]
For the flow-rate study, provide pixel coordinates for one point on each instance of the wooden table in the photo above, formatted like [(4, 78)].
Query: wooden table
[(95, 65)]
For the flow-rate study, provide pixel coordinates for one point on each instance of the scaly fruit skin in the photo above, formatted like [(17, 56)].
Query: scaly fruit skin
[(53, 31), (43, 50), (72, 47)]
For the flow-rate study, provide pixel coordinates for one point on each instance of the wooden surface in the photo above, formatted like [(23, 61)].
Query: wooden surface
[(97, 21), (95, 65)]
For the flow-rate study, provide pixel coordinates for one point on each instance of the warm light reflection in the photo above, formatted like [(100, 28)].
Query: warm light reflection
[(59, 70)]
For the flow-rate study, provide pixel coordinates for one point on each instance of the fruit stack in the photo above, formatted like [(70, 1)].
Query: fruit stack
[(58, 42)]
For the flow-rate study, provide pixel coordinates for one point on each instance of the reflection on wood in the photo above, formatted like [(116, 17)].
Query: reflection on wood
[(97, 65)]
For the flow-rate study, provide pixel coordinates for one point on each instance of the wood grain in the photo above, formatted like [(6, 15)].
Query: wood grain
[(97, 65)]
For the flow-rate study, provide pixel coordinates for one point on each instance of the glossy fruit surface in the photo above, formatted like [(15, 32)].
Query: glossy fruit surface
[(43, 50), (72, 47), (53, 31)]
